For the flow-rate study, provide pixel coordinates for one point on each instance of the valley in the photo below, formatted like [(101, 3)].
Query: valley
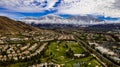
[(59, 33), (58, 47)]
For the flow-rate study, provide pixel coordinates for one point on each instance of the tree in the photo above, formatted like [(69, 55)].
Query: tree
[(4, 53), (69, 53)]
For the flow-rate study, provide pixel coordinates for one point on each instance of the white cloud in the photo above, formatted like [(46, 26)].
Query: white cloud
[(96, 7), (51, 3), (27, 5)]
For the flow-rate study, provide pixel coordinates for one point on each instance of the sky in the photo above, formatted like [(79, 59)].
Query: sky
[(103, 9)]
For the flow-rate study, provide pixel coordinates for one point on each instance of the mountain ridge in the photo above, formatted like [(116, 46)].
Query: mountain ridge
[(55, 19), (11, 26)]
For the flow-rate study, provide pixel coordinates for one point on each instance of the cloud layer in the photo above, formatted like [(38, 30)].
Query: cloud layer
[(27, 5), (96, 7), (75, 7)]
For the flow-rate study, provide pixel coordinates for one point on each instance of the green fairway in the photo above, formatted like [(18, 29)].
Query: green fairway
[(57, 52)]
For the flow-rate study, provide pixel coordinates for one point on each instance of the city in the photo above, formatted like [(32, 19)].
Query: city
[(60, 48)]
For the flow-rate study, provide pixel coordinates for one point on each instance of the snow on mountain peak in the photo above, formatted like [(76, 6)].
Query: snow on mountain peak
[(55, 19), (50, 16)]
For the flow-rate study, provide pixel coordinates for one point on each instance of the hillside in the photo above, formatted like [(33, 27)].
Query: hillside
[(10, 26)]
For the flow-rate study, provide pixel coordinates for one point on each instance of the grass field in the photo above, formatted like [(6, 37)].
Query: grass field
[(56, 52)]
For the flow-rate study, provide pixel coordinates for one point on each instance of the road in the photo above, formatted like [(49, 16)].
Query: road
[(103, 60)]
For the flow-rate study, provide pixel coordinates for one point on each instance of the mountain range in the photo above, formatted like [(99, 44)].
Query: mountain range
[(8, 25), (55, 19)]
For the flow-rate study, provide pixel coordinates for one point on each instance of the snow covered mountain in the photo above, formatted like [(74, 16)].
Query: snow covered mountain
[(55, 19), (85, 18)]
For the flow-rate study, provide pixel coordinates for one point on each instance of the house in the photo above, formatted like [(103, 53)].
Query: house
[(79, 55)]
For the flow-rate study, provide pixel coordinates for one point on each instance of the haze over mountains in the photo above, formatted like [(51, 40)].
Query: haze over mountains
[(11, 26)]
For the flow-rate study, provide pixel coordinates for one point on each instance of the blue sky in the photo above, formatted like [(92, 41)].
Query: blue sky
[(17, 9)]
